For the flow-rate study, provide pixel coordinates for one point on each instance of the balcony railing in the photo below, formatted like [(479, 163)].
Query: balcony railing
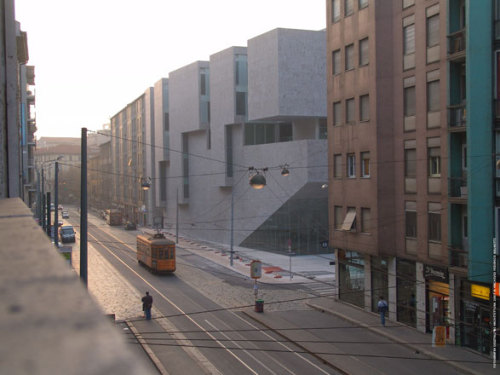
[(457, 115), (456, 42), (458, 257), (457, 187)]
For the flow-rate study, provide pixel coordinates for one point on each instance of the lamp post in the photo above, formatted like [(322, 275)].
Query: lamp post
[(56, 201)]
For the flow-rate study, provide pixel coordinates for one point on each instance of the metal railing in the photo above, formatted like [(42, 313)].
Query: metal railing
[(457, 187), (457, 115), (456, 42), (458, 257)]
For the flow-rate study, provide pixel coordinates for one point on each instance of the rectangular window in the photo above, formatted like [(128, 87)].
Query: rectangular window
[(434, 221), (349, 57), (408, 3), (337, 213), (411, 219), (365, 220), (409, 39), (322, 129), (337, 166), (433, 30), (409, 101), (335, 10), (434, 162), (349, 111), (411, 163), (433, 97), (229, 151), (364, 108), (285, 132), (337, 113), (351, 165), (348, 7), (241, 103), (336, 62), (350, 220), (364, 56), (362, 4), (365, 164)]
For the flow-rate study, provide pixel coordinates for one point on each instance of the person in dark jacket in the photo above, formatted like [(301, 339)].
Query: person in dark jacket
[(382, 309), (147, 304)]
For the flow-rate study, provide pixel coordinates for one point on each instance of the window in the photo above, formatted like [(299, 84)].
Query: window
[(263, 133), (408, 3), (349, 111), (336, 62), (349, 57), (364, 56), (411, 219), (351, 165), (335, 10), (362, 4), (285, 132), (434, 221), (337, 113), (364, 108), (365, 220), (350, 219), (433, 100), (337, 217), (409, 39), (241, 103), (337, 166), (410, 163), (322, 129), (434, 162), (409, 100), (365, 164), (348, 7), (433, 30)]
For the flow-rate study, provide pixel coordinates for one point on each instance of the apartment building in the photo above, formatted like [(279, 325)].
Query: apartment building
[(410, 148)]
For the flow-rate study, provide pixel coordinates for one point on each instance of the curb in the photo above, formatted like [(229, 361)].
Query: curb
[(394, 338), (156, 361)]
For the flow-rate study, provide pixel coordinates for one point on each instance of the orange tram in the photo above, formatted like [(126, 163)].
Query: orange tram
[(156, 253)]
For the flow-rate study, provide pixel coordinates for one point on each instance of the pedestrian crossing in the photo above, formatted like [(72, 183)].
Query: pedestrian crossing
[(319, 288)]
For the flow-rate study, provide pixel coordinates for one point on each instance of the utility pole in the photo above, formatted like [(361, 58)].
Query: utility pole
[(48, 215), (231, 251), (83, 209), (56, 204), (177, 218), (43, 202)]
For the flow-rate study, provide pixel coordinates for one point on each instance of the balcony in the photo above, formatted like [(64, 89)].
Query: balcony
[(457, 188), (457, 118), (456, 45), (458, 257)]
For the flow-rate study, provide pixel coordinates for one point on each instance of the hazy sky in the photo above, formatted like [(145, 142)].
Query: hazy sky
[(93, 57)]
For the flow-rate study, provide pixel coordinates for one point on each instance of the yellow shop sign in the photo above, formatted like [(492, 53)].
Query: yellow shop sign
[(480, 291)]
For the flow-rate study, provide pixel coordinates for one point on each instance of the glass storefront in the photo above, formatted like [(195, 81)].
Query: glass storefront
[(406, 280), (351, 277), (380, 283), (438, 309)]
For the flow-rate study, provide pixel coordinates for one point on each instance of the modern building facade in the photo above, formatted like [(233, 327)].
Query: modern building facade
[(410, 149)]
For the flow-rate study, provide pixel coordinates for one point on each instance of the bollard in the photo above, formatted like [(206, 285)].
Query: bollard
[(259, 305)]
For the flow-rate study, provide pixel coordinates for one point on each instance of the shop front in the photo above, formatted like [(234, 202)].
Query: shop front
[(437, 296), (351, 277), (380, 283), (406, 287), (475, 316)]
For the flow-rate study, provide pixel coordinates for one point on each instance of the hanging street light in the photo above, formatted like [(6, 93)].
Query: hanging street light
[(146, 183)]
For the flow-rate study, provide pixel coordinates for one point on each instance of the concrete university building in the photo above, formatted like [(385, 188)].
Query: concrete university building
[(413, 145), (197, 138)]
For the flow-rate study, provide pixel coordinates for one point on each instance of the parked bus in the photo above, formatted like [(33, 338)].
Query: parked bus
[(114, 217)]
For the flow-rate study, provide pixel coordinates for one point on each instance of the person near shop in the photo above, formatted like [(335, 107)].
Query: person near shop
[(147, 304), (382, 309)]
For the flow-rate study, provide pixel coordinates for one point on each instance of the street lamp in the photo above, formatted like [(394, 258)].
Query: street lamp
[(258, 180), (146, 183)]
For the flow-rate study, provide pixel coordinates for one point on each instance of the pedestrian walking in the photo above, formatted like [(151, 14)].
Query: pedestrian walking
[(147, 304), (382, 309)]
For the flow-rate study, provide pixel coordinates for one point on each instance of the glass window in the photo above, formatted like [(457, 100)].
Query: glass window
[(365, 220), (433, 30), (337, 113), (434, 218), (365, 164), (335, 10), (351, 165), (249, 134), (337, 166), (285, 132), (349, 111), (338, 218), (351, 277), (411, 220), (362, 4), (364, 56), (348, 7), (433, 99), (241, 103), (411, 163), (408, 3), (349, 223), (349, 57), (409, 101), (409, 39), (434, 162), (322, 129), (336, 62), (364, 108)]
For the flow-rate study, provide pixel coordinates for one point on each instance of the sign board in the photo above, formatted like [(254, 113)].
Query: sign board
[(255, 269), (436, 273), (439, 336), (324, 244), (480, 291), (497, 289)]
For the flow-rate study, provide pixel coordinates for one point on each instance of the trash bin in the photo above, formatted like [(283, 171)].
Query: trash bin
[(259, 305)]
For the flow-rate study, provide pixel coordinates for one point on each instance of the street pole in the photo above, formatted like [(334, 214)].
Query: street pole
[(48, 214), (44, 225), (83, 209), (231, 251), (177, 217), (56, 205)]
